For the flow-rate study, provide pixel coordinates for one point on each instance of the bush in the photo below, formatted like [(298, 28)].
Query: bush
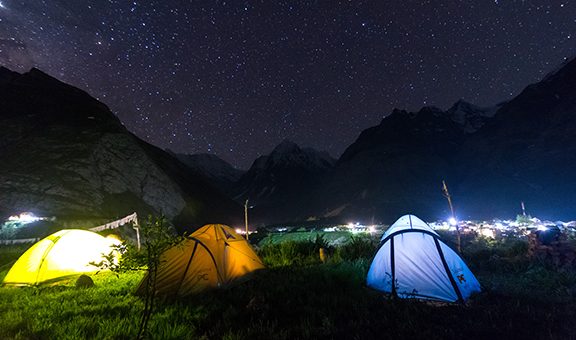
[(497, 255), (8, 230), (84, 281), (358, 248), (293, 253)]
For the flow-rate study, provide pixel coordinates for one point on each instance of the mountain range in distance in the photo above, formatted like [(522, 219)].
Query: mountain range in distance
[(492, 159), (64, 154)]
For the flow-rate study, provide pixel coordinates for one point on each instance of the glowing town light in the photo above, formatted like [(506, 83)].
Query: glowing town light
[(452, 221), (25, 217), (488, 233), (240, 231)]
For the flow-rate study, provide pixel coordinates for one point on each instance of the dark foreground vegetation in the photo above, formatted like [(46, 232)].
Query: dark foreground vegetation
[(299, 297)]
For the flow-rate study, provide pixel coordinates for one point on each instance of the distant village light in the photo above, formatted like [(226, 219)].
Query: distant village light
[(488, 233), (25, 217)]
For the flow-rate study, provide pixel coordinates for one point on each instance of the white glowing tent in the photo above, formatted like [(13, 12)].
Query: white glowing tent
[(412, 256), (64, 254)]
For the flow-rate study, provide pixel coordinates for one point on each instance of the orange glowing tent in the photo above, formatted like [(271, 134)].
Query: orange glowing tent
[(213, 256), (62, 255)]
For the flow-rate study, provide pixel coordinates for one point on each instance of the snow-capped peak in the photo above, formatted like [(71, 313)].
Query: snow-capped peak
[(470, 116)]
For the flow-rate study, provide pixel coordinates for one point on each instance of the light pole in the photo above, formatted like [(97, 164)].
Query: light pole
[(453, 219), (523, 209), (246, 217)]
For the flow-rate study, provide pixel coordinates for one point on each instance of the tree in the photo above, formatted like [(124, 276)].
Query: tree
[(524, 220), (157, 235), (8, 230)]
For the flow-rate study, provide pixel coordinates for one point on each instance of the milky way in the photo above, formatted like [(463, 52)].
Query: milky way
[(235, 78)]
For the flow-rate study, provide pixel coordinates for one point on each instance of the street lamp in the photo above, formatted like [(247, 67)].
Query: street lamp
[(246, 207), (453, 220)]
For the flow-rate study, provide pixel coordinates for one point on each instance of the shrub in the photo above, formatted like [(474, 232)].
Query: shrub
[(157, 236), (289, 253), (358, 248), (84, 281)]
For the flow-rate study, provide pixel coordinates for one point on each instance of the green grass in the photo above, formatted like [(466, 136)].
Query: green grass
[(65, 312), (298, 297), (338, 237)]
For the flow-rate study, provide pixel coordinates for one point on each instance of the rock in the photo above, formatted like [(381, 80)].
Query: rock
[(84, 281), (65, 154)]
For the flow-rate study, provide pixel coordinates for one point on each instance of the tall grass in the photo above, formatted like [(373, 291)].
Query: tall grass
[(307, 251), (359, 247), (294, 253)]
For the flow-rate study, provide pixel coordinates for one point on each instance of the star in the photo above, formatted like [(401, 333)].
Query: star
[(153, 63)]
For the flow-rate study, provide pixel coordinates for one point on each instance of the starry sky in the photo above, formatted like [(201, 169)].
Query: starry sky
[(235, 78)]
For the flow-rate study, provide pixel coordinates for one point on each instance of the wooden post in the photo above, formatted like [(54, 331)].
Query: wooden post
[(137, 228), (447, 195)]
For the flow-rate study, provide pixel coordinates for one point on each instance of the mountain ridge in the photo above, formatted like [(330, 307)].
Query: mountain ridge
[(65, 153), (492, 158)]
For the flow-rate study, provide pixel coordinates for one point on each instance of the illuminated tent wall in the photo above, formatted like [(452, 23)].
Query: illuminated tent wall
[(213, 256), (62, 255), (412, 256)]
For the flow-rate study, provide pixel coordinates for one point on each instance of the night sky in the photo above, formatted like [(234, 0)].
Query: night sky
[(235, 78)]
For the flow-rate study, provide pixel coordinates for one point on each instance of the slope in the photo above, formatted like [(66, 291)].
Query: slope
[(65, 154)]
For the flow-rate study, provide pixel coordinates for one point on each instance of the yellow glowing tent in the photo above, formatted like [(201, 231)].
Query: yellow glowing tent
[(213, 256), (62, 255)]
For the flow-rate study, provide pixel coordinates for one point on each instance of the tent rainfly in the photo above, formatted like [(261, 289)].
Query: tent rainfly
[(213, 256), (62, 255), (412, 262)]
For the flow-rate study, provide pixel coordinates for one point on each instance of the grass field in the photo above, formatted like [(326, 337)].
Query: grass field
[(298, 297), (331, 238)]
